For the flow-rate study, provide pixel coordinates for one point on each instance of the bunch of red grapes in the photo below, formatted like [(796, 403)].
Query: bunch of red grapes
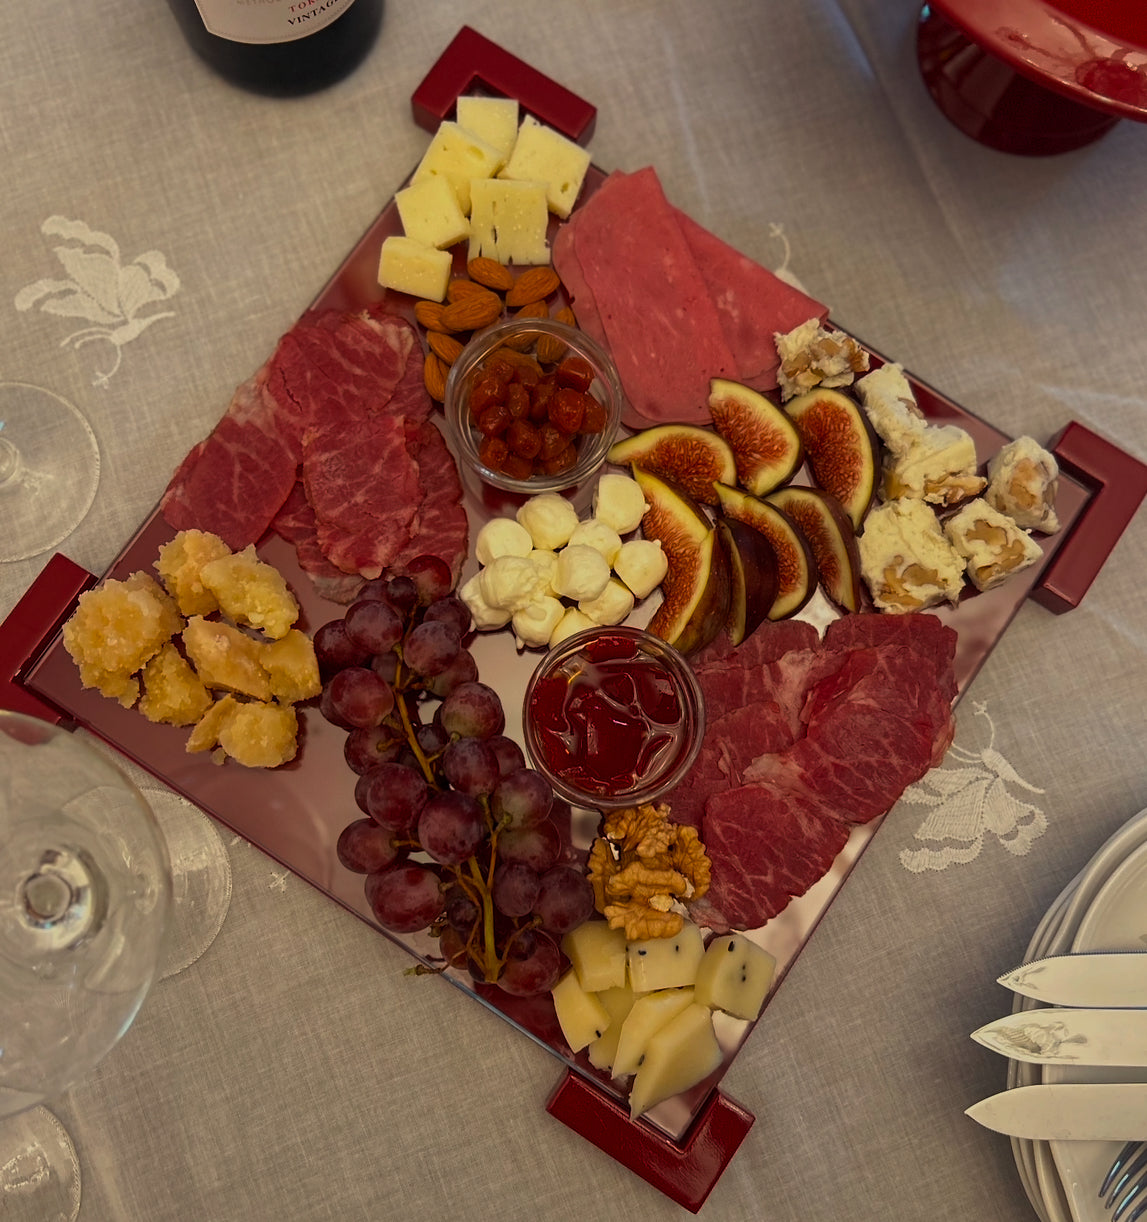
[(459, 837)]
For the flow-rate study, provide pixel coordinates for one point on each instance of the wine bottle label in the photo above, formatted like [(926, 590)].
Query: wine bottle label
[(268, 21)]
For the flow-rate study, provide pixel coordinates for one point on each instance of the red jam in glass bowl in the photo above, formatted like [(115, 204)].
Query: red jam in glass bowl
[(613, 717)]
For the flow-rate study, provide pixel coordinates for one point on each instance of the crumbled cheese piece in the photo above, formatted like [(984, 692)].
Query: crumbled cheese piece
[(485, 617), (494, 120), (459, 157), (541, 154), (430, 214), (937, 464), (598, 535), (581, 572), (534, 623), (812, 355), (905, 560), (992, 544), (890, 406), (413, 267), (502, 537), (1023, 479), (611, 606), (508, 221), (619, 502), (549, 518), (642, 565)]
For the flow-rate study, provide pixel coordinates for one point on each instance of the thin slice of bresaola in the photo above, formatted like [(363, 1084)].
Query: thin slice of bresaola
[(656, 311)]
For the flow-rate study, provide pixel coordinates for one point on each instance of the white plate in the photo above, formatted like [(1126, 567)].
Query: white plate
[(1115, 920)]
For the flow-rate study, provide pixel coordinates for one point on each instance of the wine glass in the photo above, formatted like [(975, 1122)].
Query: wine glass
[(49, 469), (85, 898)]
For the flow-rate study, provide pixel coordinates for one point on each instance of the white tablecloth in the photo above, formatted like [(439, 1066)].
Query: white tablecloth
[(294, 1070)]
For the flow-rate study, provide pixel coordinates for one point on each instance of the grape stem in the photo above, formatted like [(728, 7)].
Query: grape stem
[(408, 728)]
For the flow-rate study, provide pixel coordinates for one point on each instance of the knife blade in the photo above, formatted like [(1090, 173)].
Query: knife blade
[(1115, 978), (1069, 1037), (1067, 1111)]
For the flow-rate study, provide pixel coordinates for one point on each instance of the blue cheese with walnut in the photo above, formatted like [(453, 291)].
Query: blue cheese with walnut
[(906, 560), (812, 355), (992, 545), (1023, 479)]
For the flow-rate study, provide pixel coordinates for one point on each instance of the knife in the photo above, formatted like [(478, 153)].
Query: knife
[(1067, 1111), (1117, 978), (1069, 1037)]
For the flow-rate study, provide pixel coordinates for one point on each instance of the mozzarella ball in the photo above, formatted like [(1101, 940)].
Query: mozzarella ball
[(581, 572), (642, 565), (549, 518), (484, 616), (611, 606), (599, 535), (535, 623), (573, 621), (510, 582), (545, 562), (502, 537), (619, 502)]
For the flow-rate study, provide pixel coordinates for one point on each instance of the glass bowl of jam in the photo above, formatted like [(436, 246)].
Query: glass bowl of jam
[(613, 717), (532, 405)]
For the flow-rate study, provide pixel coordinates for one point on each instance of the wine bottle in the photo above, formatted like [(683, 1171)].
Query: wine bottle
[(280, 47)]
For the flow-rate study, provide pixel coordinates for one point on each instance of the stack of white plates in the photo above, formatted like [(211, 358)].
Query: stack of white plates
[(1103, 908)]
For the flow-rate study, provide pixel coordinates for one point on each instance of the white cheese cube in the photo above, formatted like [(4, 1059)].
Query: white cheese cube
[(534, 623), (430, 214), (494, 120), (459, 157), (413, 267), (649, 1014), (992, 544), (597, 954), (611, 606), (666, 963), (581, 1016), (618, 1003), (681, 1054), (541, 154), (502, 537), (619, 502), (735, 976), (508, 221)]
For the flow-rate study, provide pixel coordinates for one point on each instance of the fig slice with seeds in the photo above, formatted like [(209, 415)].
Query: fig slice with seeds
[(752, 578), (823, 521), (765, 442), (840, 446), (692, 457), (796, 565)]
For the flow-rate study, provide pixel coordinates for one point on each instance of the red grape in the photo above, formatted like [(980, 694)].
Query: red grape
[(402, 594), (358, 697), (431, 738), (462, 670), (432, 578), (461, 911), (375, 627), (334, 649), (522, 799), (510, 755), (366, 848), (565, 899), (430, 647), (470, 765), (404, 898), (452, 948), (514, 889), (451, 827), (385, 665), (537, 847), (472, 710), (392, 795), (451, 610), (367, 746), (535, 973)]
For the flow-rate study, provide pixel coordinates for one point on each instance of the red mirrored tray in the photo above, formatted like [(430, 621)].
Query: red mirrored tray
[(295, 813)]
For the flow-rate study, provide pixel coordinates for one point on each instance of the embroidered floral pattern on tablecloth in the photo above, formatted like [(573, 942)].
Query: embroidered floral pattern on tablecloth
[(970, 803), (101, 289)]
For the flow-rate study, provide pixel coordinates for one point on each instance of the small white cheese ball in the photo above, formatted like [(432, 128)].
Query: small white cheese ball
[(581, 572), (611, 606), (619, 502), (573, 621), (510, 582), (502, 537), (549, 518), (535, 623), (598, 535), (545, 562), (485, 617), (642, 565)]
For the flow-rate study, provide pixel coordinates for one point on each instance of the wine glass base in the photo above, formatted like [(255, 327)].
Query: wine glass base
[(49, 470), (39, 1170), (997, 106)]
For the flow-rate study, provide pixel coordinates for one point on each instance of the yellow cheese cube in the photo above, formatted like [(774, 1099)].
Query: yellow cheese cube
[(677, 1057), (226, 658), (649, 1014), (250, 591), (665, 963), (292, 667), (597, 954), (430, 214), (581, 1016), (544, 155), (413, 267), (458, 156), (180, 565), (494, 120), (260, 735), (172, 691), (735, 976), (508, 221), (617, 1003)]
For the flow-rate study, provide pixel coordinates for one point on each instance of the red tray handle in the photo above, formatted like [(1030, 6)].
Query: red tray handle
[(684, 1172), (473, 60), (1120, 483)]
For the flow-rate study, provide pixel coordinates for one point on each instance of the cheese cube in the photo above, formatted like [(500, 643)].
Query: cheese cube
[(458, 156), (618, 1003), (226, 658), (735, 976), (991, 543), (581, 1016), (666, 963), (413, 267), (677, 1057), (649, 1014), (508, 221), (597, 954), (543, 155), (430, 214), (494, 120), (905, 559), (292, 667)]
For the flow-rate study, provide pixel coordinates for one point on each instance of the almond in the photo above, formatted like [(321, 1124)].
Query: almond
[(511, 357), (434, 377), (475, 310), (534, 284), (550, 349), (444, 346), (566, 315), (429, 314), (491, 273), (457, 289)]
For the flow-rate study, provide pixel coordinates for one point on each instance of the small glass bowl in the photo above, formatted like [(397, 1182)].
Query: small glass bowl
[(613, 656), (518, 334)]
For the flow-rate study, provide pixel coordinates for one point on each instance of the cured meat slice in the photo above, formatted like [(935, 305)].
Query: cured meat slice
[(295, 522)]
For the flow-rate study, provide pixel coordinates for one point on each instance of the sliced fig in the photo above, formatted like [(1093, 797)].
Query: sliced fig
[(752, 577), (796, 565), (822, 520), (766, 445), (687, 454), (840, 446), (696, 589)]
